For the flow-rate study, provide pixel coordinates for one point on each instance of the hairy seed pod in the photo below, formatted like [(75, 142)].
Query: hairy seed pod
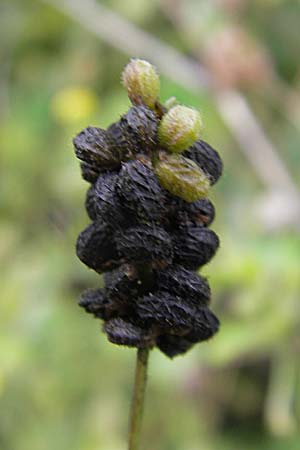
[(122, 285), (172, 345), (183, 283), (194, 247), (123, 332), (205, 325), (90, 204), (140, 193), (165, 311), (142, 82), (207, 159), (136, 132), (107, 204), (181, 177), (89, 173), (144, 244), (140, 125), (185, 214), (96, 302), (96, 249), (180, 127), (92, 147)]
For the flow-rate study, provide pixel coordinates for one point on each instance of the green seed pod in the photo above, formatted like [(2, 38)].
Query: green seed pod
[(180, 128), (142, 82), (182, 177)]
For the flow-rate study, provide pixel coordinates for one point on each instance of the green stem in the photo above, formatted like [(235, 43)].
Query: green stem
[(138, 398)]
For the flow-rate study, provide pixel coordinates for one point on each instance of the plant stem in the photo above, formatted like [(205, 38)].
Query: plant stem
[(138, 398)]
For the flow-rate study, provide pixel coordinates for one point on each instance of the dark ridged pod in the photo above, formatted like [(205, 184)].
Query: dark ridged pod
[(89, 173), (140, 123), (96, 302), (140, 192), (90, 204), (194, 247), (207, 158), (172, 345), (122, 285), (107, 204), (185, 214), (204, 327), (165, 311), (135, 132), (145, 244), (184, 283), (96, 249), (93, 148), (123, 332)]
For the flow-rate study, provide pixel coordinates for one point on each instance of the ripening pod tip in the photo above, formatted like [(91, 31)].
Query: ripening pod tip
[(141, 80), (181, 177), (180, 127)]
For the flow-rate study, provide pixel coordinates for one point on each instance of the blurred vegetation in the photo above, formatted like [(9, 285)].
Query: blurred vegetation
[(62, 386)]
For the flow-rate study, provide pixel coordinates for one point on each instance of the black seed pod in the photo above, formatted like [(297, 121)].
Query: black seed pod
[(185, 214), (89, 173), (136, 132), (122, 332), (140, 192), (90, 205), (145, 244), (119, 142), (205, 326), (122, 285), (141, 125), (108, 208), (184, 283), (172, 345), (194, 247), (95, 301), (165, 311), (207, 158), (92, 147), (96, 249)]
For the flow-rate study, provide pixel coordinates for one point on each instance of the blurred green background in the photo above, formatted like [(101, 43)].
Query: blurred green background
[(62, 386)]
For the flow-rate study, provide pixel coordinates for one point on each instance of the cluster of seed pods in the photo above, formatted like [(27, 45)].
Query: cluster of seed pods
[(149, 176)]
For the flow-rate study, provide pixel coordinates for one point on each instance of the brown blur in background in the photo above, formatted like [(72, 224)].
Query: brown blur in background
[(62, 385)]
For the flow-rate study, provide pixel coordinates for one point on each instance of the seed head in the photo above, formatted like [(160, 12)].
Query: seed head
[(149, 176)]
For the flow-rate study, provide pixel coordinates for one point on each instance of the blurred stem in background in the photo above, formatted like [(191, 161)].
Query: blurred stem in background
[(280, 405)]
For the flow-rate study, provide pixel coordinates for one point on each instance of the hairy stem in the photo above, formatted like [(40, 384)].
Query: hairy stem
[(138, 398)]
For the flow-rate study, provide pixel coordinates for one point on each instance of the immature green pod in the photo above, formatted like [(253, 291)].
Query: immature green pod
[(142, 82), (180, 127), (182, 177)]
